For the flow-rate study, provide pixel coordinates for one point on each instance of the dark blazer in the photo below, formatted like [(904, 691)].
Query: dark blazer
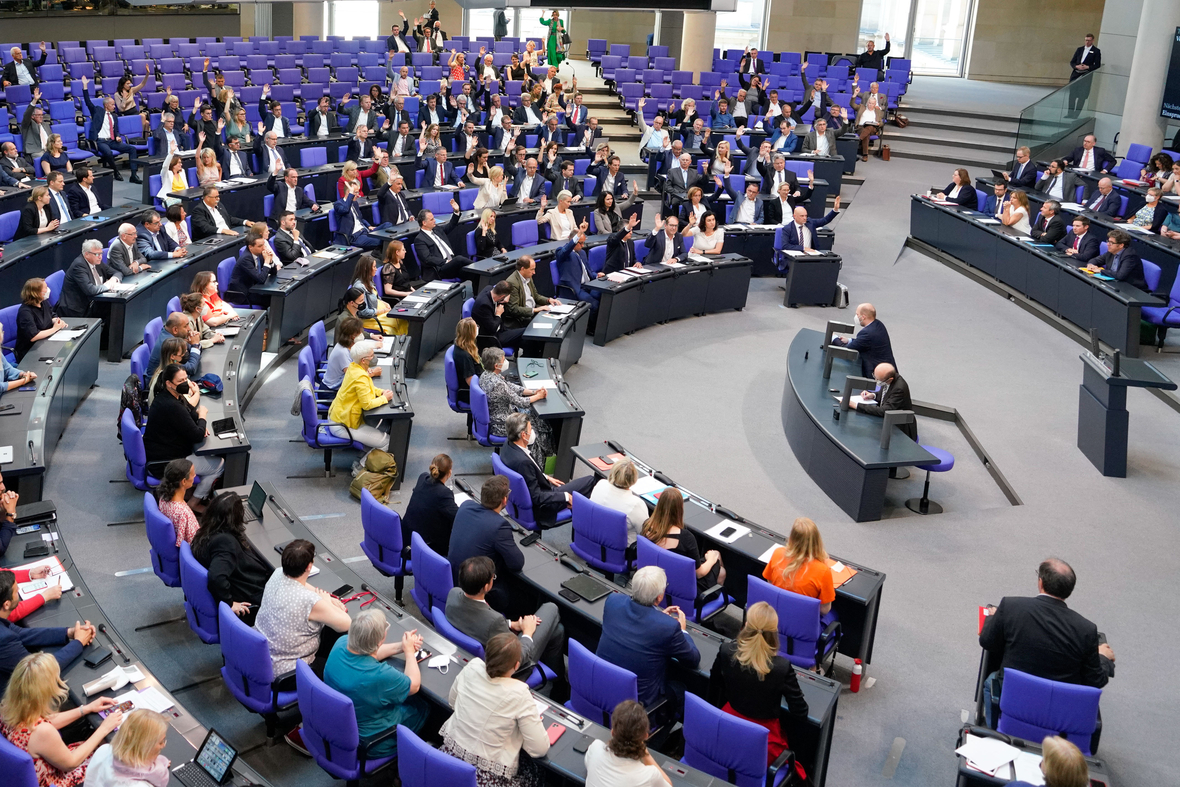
[(202, 219), (16, 642), (313, 123), (243, 159), (1093, 60), (281, 190), (1044, 637), (752, 695), (496, 137), (236, 573), (160, 134), (743, 75), (600, 171), (572, 185), (7, 166), (1069, 185), (791, 239), (873, 345), (547, 501), (480, 531), (247, 273), (288, 250), (143, 242), (968, 198), (98, 116), (409, 143), (483, 311), (537, 188), (768, 175), (269, 120), (569, 265), (520, 115), (55, 211), (1087, 250), (655, 248), (642, 639), (556, 135), (176, 429), (345, 220), (431, 514), (581, 135), (619, 253), (358, 150), (480, 622), (117, 257), (1109, 205), (424, 114), (989, 206), (78, 288), (389, 208), (674, 183), (29, 223), (1025, 179), (78, 201), (1130, 267), (772, 211), (1102, 158), (1050, 232), (429, 179), (32, 65), (897, 397), (429, 255), (576, 116)]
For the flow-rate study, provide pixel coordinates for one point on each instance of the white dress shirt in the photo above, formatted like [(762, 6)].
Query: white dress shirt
[(669, 247), (821, 145), (94, 206), (218, 220), (745, 214), (804, 234), (292, 202), (526, 186), (107, 131), (235, 164), (23, 77), (322, 130), (531, 117), (62, 207)]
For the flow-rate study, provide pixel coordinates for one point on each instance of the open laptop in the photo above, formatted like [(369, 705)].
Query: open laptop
[(212, 766), (255, 502)]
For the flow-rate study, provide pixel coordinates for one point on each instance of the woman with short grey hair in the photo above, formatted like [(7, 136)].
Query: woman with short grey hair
[(561, 219), (615, 492), (381, 694), (505, 398)]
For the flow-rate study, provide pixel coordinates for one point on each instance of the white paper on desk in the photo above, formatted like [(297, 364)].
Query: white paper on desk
[(1073, 206), (765, 556), (647, 484), (694, 258), (1028, 768), (716, 530), (113, 680), (535, 384), (241, 179), (987, 754), (675, 264), (989, 221), (133, 673), (793, 253), (1135, 228), (617, 277), (813, 253), (67, 336), (461, 497), (1169, 198), (561, 308), (436, 286), (150, 698), (415, 300), (53, 561), (542, 706)]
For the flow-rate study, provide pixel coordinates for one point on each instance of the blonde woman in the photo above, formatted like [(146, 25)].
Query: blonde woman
[(493, 190), (1151, 216), (666, 530), (133, 758), (753, 679), (1015, 213), (208, 170), (614, 492), (721, 163), (173, 178), (529, 58), (1062, 763), (802, 565), (239, 127), (429, 141), (457, 66), (561, 219), (352, 174), (486, 244), (30, 719), (55, 159)]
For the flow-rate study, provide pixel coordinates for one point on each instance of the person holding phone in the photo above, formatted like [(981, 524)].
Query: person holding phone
[(133, 757)]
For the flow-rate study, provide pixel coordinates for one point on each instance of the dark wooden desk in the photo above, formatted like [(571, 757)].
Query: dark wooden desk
[(300, 296)]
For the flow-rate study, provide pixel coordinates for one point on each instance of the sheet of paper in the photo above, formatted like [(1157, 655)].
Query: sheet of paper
[(1135, 228), (647, 484), (1028, 768), (793, 253), (1072, 205), (563, 308), (989, 221), (67, 336), (737, 531), (543, 325), (436, 286), (535, 384), (133, 673), (675, 264), (617, 277), (987, 754), (54, 563), (542, 706), (415, 300), (697, 258), (813, 253), (155, 699), (765, 556), (837, 567)]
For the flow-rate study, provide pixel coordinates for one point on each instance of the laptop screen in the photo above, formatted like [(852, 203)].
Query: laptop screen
[(257, 498), (216, 756)]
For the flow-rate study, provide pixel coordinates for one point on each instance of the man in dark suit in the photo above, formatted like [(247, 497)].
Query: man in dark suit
[(1105, 201), (1079, 242), (268, 152), (289, 197), (168, 135), (396, 114), (255, 265), (153, 243), (665, 243), (895, 397), (565, 181), (1058, 183), (361, 147), (620, 248), (549, 495), (777, 174), (234, 160), (1086, 58), (271, 113), (399, 142), (751, 63), (104, 135), (396, 42), (439, 172), (573, 273), (873, 57), (433, 248), (86, 277), (587, 134), (1022, 174), (542, 637), (209, 218), (640, 637), (800, 233), (13, 164), (289, 243), (19, 67), (16, 642), (1120, 260), (392, 199), (528, 185), (431, 112), (1048, 228), (994, 205), (502, 138), (679, 179), (663, 161), (576, 115), (1043, 637), (609, 177), (352, 224), (872, 342), (525, 114), (59, 207), (488, 313), (1088, 157), (481, 530), (81, 196), (321, 121)]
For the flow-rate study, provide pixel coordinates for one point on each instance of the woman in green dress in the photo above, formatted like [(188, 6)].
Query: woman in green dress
[(553, 55)]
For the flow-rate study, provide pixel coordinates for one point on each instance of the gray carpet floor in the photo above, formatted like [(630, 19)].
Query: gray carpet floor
[(699, 399)]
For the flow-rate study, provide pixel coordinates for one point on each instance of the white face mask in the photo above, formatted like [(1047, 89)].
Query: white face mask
[(1150, 198), (532, 436)]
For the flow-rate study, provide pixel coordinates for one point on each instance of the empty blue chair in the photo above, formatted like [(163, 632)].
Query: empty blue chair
[(1139, 153), (162, 539), (433, 579), (8, 223), (248, 672), (8, 325), (1151, 275), (225, 270), (600, 535), (134, 454), (317, 339), (924, 505), (18, 764), (173, 305), (468, 305), (421, 765), (682, 582), (1033, 707), (524, 234), (330, 731), (596, 685), (803, 638), (730, 748), (315, 432), (383, 541), (139, 362), (151, 331), (481, 418), (520, 502), (199, 606)]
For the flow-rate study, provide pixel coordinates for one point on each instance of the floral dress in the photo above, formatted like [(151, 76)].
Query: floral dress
[(504, 398), (47, 775)]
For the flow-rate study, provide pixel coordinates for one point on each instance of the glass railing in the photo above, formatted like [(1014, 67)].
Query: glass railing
[(68, 9), (1091, 104)]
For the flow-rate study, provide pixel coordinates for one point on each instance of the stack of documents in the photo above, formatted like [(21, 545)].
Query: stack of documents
[(564, 308), (988, 755)]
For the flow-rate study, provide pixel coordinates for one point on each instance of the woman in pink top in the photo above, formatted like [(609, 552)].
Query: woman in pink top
[(179, 477)]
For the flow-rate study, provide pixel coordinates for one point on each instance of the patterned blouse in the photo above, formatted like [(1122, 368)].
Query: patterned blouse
[(182, 518), (283, 620), (47, 775)]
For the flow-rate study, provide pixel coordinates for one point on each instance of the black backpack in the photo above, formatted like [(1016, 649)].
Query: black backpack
[(134, 399)]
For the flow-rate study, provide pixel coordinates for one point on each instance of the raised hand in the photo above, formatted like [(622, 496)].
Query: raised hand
[(345, 99), (205, 67), (454, 206), (86, 81), (585, 225), (36, 94), (659, 222), (265, 90)]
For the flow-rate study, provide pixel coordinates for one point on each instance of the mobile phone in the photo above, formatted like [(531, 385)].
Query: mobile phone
[(343, 590), (36, 550), (422, 655), (727, 532), (606, 460), (4, 407), (569, 595), (530, 539), (29, 387), (124, 707), (555, 731), (20, 531), (96, 656), (582, 744)]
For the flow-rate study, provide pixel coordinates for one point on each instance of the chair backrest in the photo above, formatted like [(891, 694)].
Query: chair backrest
[(199, 606), (329, 724), (432, 577), (451, 376), (317, 339), (162, 538), (600, 535), (18, 764), (980, 199), (225, 270), (133, 451), (596, 685), (524, 233), (248, 673), (481, 418), (1151, 274), (798, 619), (139, 362), (8, 223), (421, 765), (468, 305), (8, 324), (151, 331), (681, 571), (448, 630), (1139, 153), (723, 745), (383, 533), (1032, 707), (519, 500)]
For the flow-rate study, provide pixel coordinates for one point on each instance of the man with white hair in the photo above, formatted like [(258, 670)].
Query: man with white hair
[(639, 637), (124, 256), (358, 394), (86, 277), (21, 72)]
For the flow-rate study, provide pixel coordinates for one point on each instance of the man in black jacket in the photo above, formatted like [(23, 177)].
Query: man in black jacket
[(1079, 242), (175, 428), (81, 196), (288, 196), (871, 57), (1044, 637), (86, 277), (1120, 261), (549, 495), (1048, 228), (18, 67), (895, 397), (432, 246), (872, 342), (565, 181), (1086, 58), (488, 312), (210, 218), (480, 530)]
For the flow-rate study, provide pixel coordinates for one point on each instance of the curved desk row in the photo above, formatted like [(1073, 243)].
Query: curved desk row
[(66, 371), (299, 296), (559, 409), (561, 337), (659, 293), (858, 600), (186, 734), (1035, 271), (14, 197), (277, 525), (392, 359), (432, 312)]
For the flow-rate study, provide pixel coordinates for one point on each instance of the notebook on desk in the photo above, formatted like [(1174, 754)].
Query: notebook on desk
[(212, 766), (587, 587)]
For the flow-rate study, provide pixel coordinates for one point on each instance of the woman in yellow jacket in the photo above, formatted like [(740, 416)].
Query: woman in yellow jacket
[(356, 395)]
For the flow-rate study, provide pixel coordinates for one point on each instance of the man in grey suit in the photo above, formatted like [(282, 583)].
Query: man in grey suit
[(1058, 182), (542, 637), (35, 128), (86, 277), (821, 140), (124, 256)]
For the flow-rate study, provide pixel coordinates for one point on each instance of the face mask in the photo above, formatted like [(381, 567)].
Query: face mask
[(532, 436), (183, 388), (1150, 198)]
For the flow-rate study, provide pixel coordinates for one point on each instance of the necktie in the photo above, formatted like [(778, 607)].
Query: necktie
[(438, 179), (1097, 201), (1077, 241), (1087, 158), (61, 207), (97, 276), (401, 208), (110, 125), (1115, 264)]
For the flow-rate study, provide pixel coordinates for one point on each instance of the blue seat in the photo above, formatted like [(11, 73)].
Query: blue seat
[(924, 505), (537, 678), (55, 281), (8, 325), (981, 199), (313, 157), (421, 765), (139, 362), (596, 685), (330, 731), (730, 748), (173, 306), (1033, 707), (317, 339), (1164, 317), (8, 223), (682, 582), (161, 535), (134, 454), (524, 234), (451, 376), (19, 766), (468, 305), (1139, 153), (520, 502), (315, 431), (199, 606), (225, 272), (383, 541), (600, 535), (481, 418), (803, 635), (1151, 275), (433, 579), (248, 672)]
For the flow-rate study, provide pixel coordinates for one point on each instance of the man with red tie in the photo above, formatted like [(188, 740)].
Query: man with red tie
[(1079, 242)]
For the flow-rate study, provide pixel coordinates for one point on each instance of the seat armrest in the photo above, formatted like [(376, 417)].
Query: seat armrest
[(708, 595), (274, 686), (787, 758), (367, 743)]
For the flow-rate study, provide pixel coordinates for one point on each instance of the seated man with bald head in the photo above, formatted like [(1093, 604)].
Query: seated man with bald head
[(872, 342), (893, 393), (177, 325)]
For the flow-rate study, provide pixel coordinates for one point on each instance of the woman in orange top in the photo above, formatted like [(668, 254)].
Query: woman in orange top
[(214, 311), (351, 173), (801, 566)]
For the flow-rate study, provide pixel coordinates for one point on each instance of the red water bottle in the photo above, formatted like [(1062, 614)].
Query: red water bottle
[(857, 671)]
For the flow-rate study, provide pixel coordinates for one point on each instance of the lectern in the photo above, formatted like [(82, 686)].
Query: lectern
[(1102, 408)]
